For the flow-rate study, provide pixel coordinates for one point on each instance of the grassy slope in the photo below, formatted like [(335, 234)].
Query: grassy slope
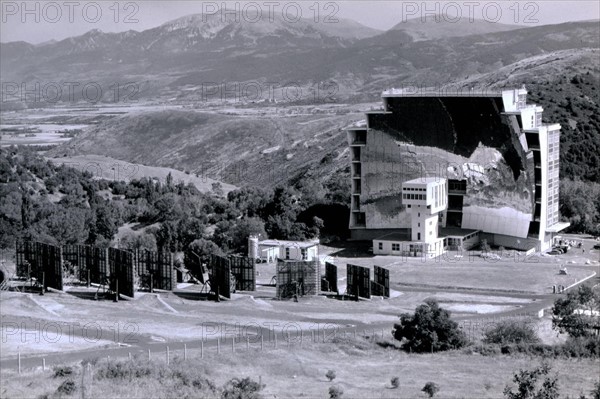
[(112, 169), (241, 150), (363, 370)]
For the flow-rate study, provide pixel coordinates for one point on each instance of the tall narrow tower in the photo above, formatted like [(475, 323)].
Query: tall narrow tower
[(425, 198)]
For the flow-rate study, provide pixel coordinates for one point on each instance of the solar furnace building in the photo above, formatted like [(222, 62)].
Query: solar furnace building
[(495, 162)]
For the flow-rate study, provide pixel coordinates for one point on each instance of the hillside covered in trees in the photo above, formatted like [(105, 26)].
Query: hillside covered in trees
[(573, 100), (60, 205)]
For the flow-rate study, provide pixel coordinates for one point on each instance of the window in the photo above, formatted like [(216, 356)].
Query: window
[(419, 214), (303, 253), (418, 224), (380, 246), (395, 247), (430, 222), (418, 236), (287, 253)]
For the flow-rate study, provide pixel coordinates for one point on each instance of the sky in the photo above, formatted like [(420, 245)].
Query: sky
[(41, 21)]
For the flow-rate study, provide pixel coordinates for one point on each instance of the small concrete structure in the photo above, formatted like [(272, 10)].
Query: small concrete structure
[(268, 251)]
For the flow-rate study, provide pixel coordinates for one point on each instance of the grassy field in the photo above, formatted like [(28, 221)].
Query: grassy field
[(512, 273), (363, 370)]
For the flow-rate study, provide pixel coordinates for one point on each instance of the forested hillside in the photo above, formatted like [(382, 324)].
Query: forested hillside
[(60, 205)]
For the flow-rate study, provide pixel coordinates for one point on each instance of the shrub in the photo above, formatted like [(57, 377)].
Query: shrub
[(526, 381), (330, 375), (582, 347), (90, 360), (431, 388), (511, 332), (596, 391), (335, 392), (488, 350), (429, 329), (245, 388), (125, 370), (66, 388), (62, 371), (395, 381)]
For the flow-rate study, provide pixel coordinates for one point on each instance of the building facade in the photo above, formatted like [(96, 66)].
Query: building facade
[(498, 160)]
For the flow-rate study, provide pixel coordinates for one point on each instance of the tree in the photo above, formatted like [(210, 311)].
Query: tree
[(233, 235), (169, 182), (249, 201), (188, 230), (511, 332), (166, 237), (330, 375), (429, 329), (579, 204), (431, 388), (335, 392), (527, 380), (204, 249), (574, 314), (142, 241)]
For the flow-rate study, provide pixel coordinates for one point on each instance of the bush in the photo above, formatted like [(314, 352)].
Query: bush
[(596, 391), (582, 347), (330, 375), (526, 381), (66, 388), (335, 392), (125, 370), (431, 388), (429, 329), (62, 371), (511, 332), (488, 350), (90, 360), (395, 381), (242, 389)]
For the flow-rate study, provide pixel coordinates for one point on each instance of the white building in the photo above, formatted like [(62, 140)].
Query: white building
[(268, 251), (424, 198)]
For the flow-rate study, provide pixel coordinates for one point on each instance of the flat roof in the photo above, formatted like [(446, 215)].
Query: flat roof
[(289, 244), (426, 180), (456, 232), (396, 236), (557, 227), (432, 92)]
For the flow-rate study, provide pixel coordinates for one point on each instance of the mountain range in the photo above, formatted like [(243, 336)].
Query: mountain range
[(175, 59), (170, 64)]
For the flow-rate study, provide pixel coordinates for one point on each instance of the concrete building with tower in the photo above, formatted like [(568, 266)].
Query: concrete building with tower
[(490, 154)]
